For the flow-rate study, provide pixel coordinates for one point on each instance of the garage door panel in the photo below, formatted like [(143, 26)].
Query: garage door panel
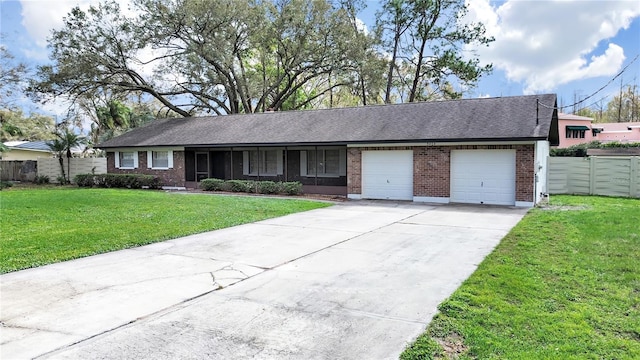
[(387, 174), (483, 176)]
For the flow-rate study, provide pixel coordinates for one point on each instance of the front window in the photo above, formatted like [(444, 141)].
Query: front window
[(323, 162), (161, 159), (126, 159), (327, 162), (263, 162)]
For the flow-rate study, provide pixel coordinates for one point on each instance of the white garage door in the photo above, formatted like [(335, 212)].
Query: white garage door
[(483, 176), (387, 174)]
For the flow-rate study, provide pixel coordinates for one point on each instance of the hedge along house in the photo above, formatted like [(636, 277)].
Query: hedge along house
[(484, 151)]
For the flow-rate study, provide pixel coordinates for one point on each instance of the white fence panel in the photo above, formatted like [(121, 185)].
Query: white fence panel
[(568, 175), (51, 167), (611, 176)]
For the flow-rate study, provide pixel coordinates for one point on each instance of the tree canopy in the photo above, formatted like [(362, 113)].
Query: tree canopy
[(243, 56), (624, 107)]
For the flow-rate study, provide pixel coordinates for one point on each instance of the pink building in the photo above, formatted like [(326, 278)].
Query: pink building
[(574, 129)]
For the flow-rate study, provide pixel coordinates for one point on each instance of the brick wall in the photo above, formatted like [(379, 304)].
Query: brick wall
[(431, 171), (432, 168), (169, 177), (354, 171), (525, 172)]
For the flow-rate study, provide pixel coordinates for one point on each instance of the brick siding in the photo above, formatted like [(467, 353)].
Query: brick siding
[(169, 177), (354, 171), (431, 171), (432, 168), (525, 172)]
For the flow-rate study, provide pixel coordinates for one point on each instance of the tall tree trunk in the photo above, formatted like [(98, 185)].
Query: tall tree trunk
[(392, 65), (416, 76), (61, 161), (424, 38)]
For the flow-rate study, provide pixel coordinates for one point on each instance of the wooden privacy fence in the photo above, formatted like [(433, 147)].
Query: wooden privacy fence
[(611, 176), (18, 170), (51, 167)]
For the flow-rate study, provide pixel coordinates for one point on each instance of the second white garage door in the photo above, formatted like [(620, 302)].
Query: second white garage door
[(483, 176), (387, 174)]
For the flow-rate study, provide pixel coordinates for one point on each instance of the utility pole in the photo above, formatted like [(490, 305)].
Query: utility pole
[(620, 101)]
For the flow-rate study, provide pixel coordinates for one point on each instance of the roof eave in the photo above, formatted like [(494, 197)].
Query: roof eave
[(339, 143)]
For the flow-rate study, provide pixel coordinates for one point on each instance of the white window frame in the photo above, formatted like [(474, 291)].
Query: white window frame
[(169, 160), (135, 160), (261, 155), (342, 166)]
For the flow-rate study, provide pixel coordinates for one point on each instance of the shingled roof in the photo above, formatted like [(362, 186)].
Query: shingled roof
[(487, 119)]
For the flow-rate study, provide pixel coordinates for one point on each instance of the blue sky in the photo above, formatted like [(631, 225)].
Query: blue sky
[(571, 48)]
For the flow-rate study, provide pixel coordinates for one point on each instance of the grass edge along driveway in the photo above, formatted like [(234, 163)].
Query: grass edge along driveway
[(563, 284), (47, 225)]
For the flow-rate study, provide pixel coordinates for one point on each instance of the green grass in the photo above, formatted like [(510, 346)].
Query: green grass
[(563, 284), (44, 226)]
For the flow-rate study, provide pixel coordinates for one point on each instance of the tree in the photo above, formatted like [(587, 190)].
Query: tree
[(32, 127), (395, 17), (624, 107), (225, 56), (6, 131), (11, 77), (58, 148), (426, 39), (65, 141)]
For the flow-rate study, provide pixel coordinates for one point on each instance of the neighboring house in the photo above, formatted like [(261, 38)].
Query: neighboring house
[(576, 130), (485, 151), (621, 132), (26, 150)]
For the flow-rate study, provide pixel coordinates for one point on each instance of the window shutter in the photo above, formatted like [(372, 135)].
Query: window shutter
[(135, 159), (149, 159), (303, 163), (170, 159), (117, 157), (245, 163)]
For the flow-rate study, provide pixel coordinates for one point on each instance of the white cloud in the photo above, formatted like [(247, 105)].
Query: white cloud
[(39, 17), (36, 53), (544, 44)]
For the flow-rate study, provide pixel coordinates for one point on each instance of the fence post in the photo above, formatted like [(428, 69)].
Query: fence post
[(633, 176)]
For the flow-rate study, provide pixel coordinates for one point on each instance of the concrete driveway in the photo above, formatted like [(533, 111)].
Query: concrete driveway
[(355, 280)]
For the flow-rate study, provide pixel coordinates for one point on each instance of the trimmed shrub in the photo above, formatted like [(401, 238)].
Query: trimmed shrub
[(247, 186), (580, 150), (267, 187), (130, 181), (84, 180), (617, 144), (5, 184), (291, 188), (212, 185), (250, 186)]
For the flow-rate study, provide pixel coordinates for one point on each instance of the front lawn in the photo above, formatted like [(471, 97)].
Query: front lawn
[(563, 284), (46, 225)]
